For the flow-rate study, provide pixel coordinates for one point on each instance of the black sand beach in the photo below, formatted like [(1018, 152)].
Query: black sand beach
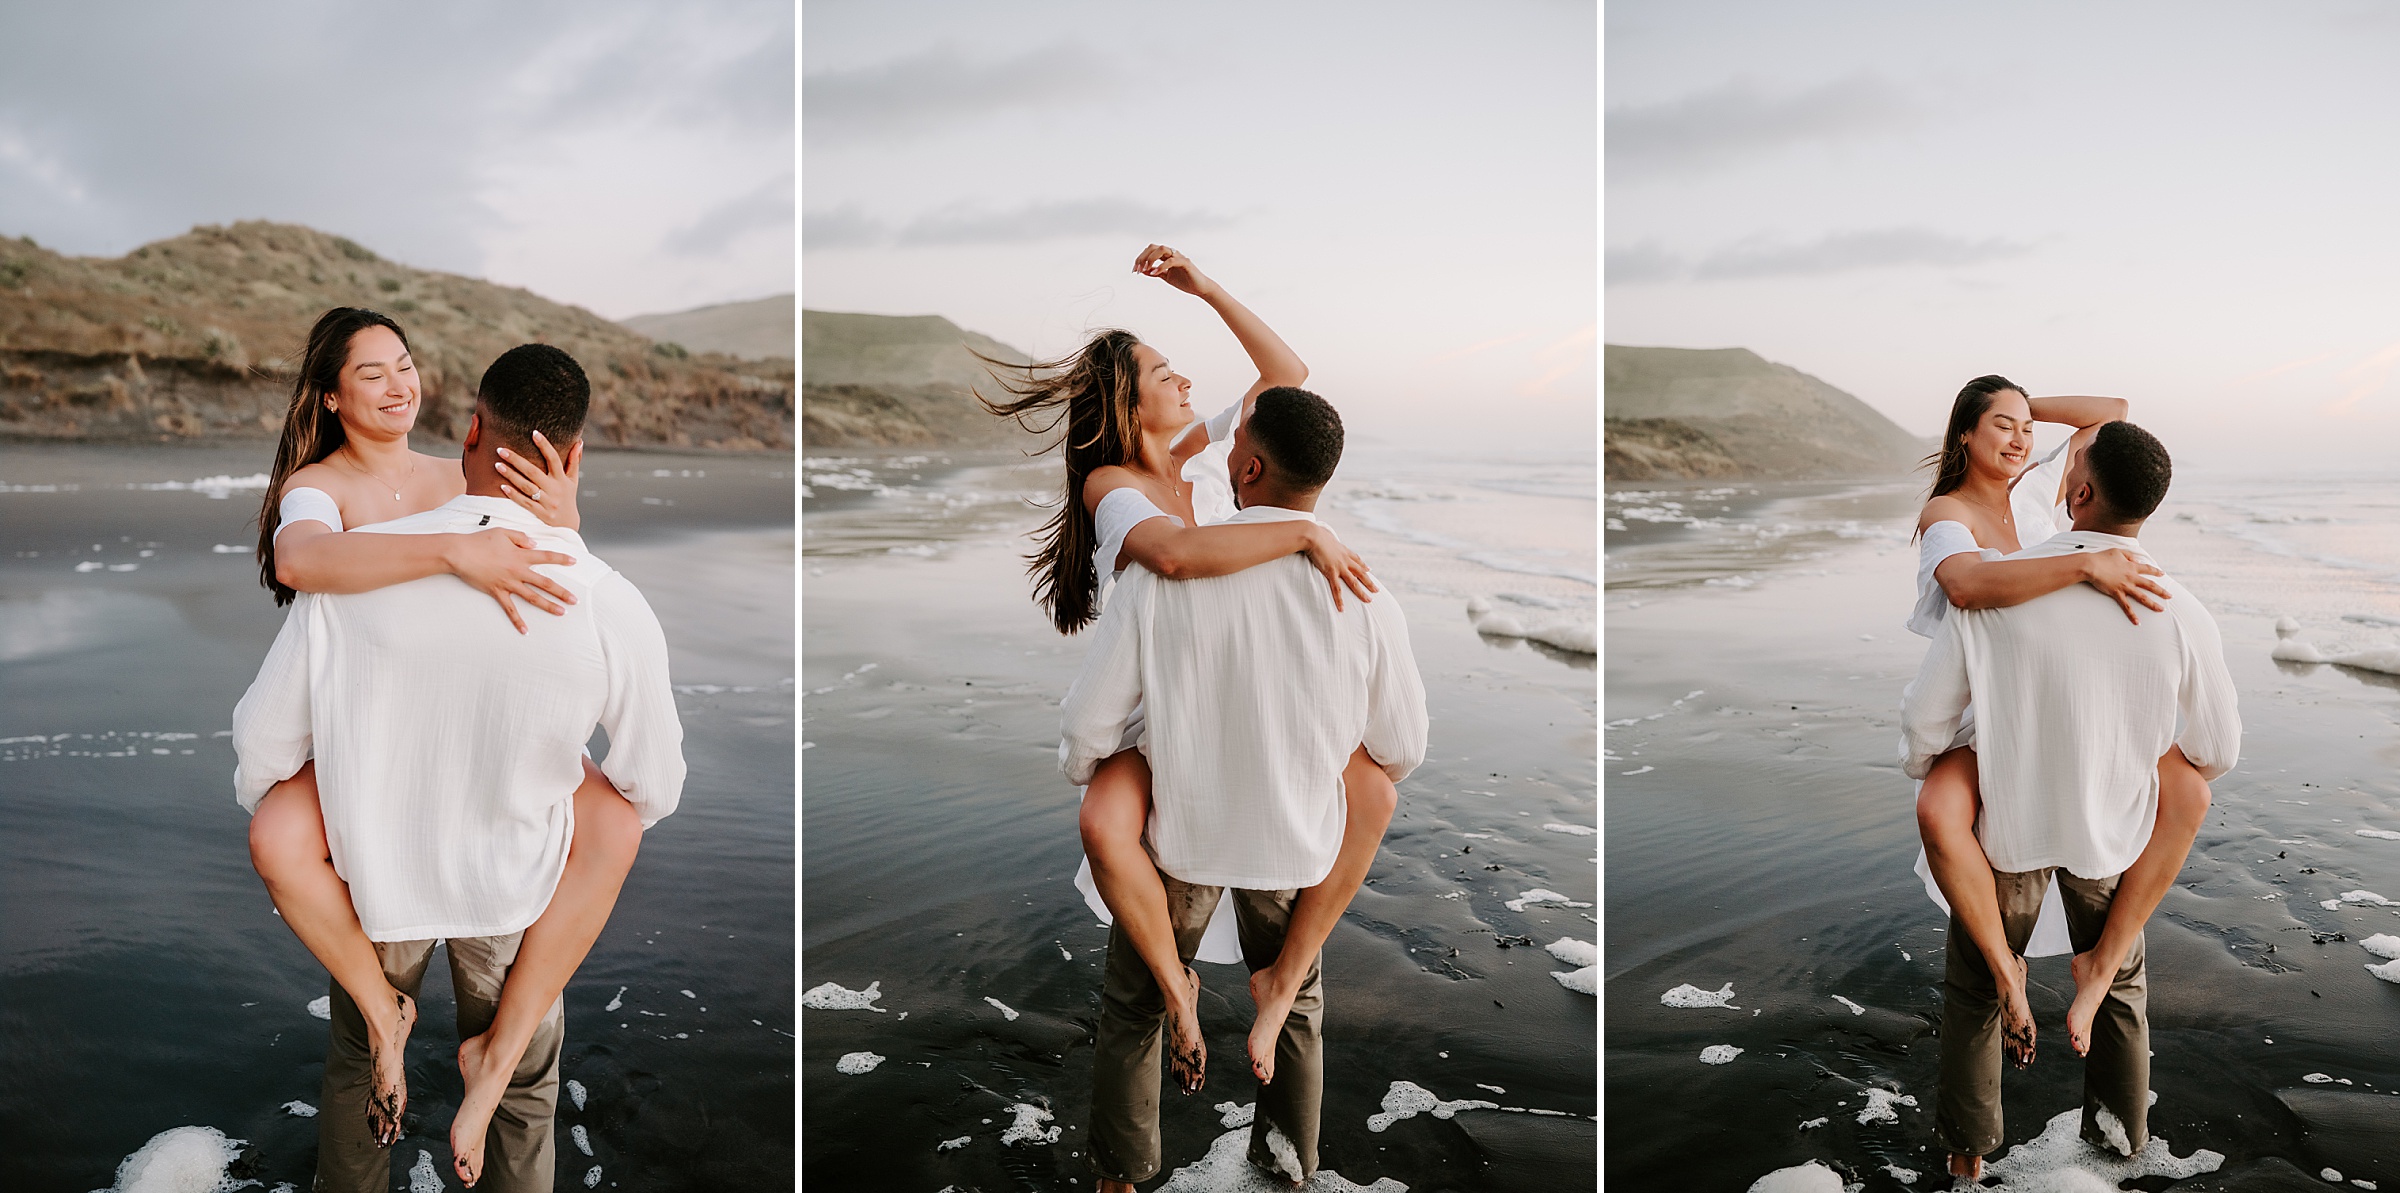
[(145, 982)]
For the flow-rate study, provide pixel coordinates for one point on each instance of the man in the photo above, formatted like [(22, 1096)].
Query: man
[(2075, 705), (448, 749), (1257, 692)]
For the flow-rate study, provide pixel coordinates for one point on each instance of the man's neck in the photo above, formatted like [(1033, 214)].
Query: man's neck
[(2123, 530), (1262, 497), (483, 476)]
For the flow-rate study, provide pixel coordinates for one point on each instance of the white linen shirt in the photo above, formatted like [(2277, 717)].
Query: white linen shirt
[(448, 745), (1256, 690), (2074, 706)]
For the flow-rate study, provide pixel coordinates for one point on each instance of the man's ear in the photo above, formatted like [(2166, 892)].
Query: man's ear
[(1252, 469), (2082, 495), (474, 432)]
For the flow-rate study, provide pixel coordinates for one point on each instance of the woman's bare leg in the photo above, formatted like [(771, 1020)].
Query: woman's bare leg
[(1370, 797), (2183, 800), (1946, 807), (608, 832), (1116, 806), (287, 846)]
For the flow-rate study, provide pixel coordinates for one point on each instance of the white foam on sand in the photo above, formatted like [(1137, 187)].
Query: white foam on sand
[(423, 1177), (1580, 830), (1690, 996), (1812, 1177), (179, 1160), (1855, 1009), (575, 1093), (321, 1006), (1539, 895), (2382, 945), (1227, 1169), (1568, 634), (951, 1145), (616, 1001), (1883, 1104), (2389, 971), (855, 1063), (1028, 1127), (1006, 1011), (1814, 1123), (1581, 981), (1573, 951), (1236, 1116), (2369, 898), (591, 1180), (582, 1138), (1407, 1099), (834, 997), (1719, 1054), (1906, 1176), (299, 1109), (2059, 1161), (2382, 834)]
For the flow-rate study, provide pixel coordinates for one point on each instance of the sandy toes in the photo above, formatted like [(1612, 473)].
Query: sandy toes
[(2016, 1019), (1187, 1050), (1274, 999), (487, 1082), (389, 1098), (2091, 988)]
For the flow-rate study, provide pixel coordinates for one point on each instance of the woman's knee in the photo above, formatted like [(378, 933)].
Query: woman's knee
[(1116, 804), (1369, 789), (1946, 803), (286, 832), (2182, 793), (607, 825)]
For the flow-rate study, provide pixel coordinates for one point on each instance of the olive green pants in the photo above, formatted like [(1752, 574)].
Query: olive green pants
[(2116, 1074), (1126, 1053), (520, 1149)]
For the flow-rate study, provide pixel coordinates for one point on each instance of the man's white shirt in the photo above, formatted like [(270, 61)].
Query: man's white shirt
[(2074, 705), (449, 746), (1255, 690)]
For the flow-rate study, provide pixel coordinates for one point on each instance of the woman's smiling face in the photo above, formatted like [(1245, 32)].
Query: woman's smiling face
[(2003, 438), (1162, 397), (378, 395)]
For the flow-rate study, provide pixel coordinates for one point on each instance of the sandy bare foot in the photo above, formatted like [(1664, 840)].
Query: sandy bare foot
[(389, 1099), (1187, 1049), (2016, 1018), (1969, 1167), (1274, 996), (487, 1081), (2091, 989)]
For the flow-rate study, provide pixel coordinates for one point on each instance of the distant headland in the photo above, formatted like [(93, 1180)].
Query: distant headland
[(1686, 413)]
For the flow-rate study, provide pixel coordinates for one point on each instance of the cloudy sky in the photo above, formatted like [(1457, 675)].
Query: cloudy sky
[(2186, 204), (1406, 191), (628, 157)]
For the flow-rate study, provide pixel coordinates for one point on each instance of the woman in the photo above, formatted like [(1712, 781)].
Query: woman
[(1987, 502), (1129, 432), (345, 461)]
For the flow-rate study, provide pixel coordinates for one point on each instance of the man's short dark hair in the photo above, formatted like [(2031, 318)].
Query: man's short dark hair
[(2129, 470), (1300, 434), (535, 387)]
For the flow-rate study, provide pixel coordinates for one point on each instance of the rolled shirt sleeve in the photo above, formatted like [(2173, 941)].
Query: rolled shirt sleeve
[(645, 737), (1397, 725), (1092, 718), (2212, 723), (1933, 705), (273, 734)]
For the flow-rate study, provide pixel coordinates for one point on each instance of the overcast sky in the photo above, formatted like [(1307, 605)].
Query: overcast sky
[(624, 156), (2190, 205), (1405, 191)]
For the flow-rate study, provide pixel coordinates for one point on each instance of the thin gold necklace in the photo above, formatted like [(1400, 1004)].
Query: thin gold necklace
[(361, 468)]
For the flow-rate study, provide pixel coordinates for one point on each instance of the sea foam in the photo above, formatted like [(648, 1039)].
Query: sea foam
[(180, 1160)]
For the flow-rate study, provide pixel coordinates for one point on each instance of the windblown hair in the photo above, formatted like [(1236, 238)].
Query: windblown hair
[(1950, 464), (2130, 470), (1095, 394), (1300, 434), (311, 430), (534, 387)]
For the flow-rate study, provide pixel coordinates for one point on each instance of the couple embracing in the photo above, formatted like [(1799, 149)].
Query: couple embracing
[(413, 758), (1238, 727), (2066, 723)]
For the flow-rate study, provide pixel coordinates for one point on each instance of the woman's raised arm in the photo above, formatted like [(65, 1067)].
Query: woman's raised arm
[(2079, 410), (1277, 363)]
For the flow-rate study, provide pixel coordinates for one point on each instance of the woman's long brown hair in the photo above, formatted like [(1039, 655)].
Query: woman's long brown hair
[(1950, 464), (1094, 392), (311, 432)]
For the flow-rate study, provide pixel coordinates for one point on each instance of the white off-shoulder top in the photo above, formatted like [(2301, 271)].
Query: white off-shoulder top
[(304, 504)]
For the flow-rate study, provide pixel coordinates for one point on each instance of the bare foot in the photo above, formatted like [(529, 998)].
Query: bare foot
[(1187, 1050), (487, 1075), (2091, 989), (1274, 994), (1970, 1167), (2016, 1017), (1105, 1185), (389, 1052)]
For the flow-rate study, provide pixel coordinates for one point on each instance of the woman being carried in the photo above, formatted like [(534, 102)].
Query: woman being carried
[(1988, 502), (345, 461), (1129, 430)]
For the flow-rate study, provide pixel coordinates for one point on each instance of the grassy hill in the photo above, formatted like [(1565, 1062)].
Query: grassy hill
[(897, 380), (760, 329), (198, 336), (1725, 412)]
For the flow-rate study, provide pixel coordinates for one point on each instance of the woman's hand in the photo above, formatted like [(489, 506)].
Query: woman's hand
[(549, 494), (499, 563), (1341, 565), (1175, 269), (2126, 579)]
